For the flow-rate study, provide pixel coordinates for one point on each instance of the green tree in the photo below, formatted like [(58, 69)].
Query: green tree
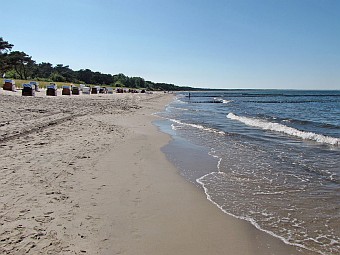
[(121, 80), (97, 78), (22, 63), (5, 47), (138, 82), (84, 75), (66, 72), (55, 76), (44, 70)]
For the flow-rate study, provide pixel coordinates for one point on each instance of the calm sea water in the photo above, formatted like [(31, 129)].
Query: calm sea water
[(271, 157)]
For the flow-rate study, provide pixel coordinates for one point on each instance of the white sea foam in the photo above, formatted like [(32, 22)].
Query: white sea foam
[(173, 127), (269, 193), (177, 108), (227, 101), (249, 219), (198, 127), (212, 153), (266, 125)]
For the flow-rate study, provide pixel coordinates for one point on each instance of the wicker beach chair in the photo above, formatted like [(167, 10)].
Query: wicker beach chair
[(9, 85), (86, 90), (110, 90), (94, 90), (75, 90), (66, 90), (28, 89), (51, 89), (103, 90)]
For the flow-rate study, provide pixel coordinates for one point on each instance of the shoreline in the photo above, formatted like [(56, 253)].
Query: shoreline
[(201, 161), (98, 183)]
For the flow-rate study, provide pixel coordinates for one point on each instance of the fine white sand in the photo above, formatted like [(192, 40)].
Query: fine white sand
[(85, 175)]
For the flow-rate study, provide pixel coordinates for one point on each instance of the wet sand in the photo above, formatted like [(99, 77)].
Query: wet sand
[(85, 175)]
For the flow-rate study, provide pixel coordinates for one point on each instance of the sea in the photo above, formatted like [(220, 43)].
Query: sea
[(270, 157)]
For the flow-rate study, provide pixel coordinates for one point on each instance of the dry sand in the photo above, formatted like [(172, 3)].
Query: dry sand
[(85, 175)]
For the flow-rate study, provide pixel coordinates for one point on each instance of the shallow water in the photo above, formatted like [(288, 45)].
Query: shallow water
[(269, 157)]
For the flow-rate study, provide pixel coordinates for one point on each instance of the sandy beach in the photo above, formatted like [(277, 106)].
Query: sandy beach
[(85, 175)]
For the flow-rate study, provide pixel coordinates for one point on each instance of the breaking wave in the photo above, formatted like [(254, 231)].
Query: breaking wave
[(272, 126), (197, 126)]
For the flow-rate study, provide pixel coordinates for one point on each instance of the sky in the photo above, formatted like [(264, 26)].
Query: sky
[(269, 44)]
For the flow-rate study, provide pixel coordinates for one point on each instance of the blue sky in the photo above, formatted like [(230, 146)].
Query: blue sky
[(293, 44)]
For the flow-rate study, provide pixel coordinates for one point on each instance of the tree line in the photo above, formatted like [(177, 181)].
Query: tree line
[(19, 65)]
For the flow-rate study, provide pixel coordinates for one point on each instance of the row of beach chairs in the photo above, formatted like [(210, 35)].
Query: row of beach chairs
[(29, 89)]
